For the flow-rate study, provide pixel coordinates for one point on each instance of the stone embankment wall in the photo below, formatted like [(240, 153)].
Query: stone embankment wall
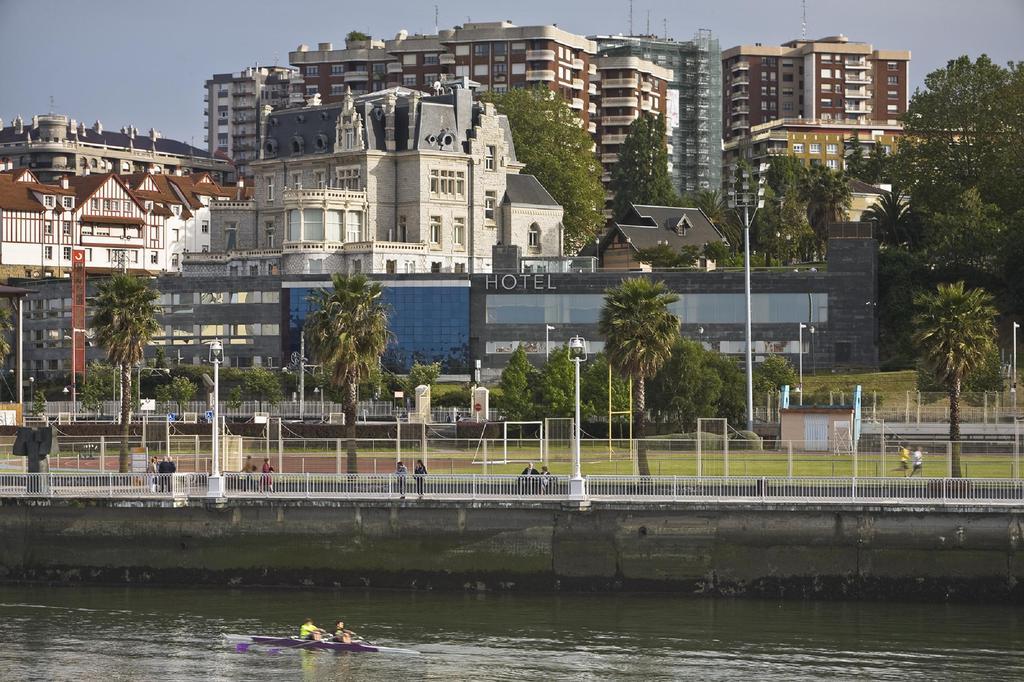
[(831, 552)]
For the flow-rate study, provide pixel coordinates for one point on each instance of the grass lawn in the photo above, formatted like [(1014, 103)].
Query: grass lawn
[(892, 385)]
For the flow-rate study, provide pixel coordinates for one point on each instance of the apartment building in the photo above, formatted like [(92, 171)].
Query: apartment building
[(692, 104), (231, 104), (824, 142), (829, 79), (53, 145), (629, 87), (499, 55), (393, 181)]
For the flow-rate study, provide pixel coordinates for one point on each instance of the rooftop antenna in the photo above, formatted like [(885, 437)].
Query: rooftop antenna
[(803, 23), (51, 105), (435, 19), (630, 17), (648, 22), (664, 27)]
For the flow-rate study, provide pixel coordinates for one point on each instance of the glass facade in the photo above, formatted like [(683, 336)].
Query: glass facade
[(778, 308), (428, 323)]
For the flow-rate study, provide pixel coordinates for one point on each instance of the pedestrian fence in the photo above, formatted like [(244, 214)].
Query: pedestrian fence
[(727, 489)]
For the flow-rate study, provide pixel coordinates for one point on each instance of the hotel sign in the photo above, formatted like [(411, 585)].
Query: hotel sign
[(518, 282)]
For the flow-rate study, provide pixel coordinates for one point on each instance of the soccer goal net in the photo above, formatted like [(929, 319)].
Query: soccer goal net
[(521, 441)]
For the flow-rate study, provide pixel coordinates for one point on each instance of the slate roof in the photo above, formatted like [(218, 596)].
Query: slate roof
[(648, 226), (111, 138), (526, 189), (859, 187)]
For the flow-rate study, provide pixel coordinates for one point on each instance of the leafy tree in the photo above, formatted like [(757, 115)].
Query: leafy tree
[(38, 404), (348, 333), (871, 168), (263, 385), (554, 147), (716, 251), (715, 206), (662, 256), (781, 227), (901, 277), (773, 373), (640, 176), (557, 384), (955, 333), (422, 375), (594, 380), (639, 331), (160, 359), (986, 377), (125, 320), (97, 385), (6, 329), (181, 390), (517, 387), (965, 238), (354, 36), (785, 173), (234, 400), (827, 194), (695, 383)]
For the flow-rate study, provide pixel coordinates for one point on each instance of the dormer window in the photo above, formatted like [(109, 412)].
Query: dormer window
[(271, 147), (69, 202), (48, 201), (297, 145)]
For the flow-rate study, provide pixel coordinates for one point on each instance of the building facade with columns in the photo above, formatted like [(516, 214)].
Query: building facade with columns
[(388, 182)]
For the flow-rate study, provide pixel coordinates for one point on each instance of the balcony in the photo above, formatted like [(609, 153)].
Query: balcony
[(576, 103), (540, 55), (446, 58), (609, 158), (740, 109), (645, 86), (613, 139), (740, 124), (592, 128), (592, 109), (609, 83), (323, 195), (860, 93), (738, 95), (577, 64), (859, 64), (741, 66), (577, 84), (538, 76), (592, 89), (857, 108), (610, 121), (742, 79), (394, 67), (646, 105), (860, 79), (357, 76), (608, 102)]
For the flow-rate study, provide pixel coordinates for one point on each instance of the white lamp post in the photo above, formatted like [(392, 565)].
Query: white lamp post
[(547, 342), (748, 198), (801, 342), (1013, 380), (216, 484), (577, 486)]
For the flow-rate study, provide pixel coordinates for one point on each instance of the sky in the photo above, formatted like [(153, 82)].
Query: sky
[(143, 62)]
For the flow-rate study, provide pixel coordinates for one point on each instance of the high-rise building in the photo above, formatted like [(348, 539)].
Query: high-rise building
[(692, 103), (829, 79), (498, 55), (231, 103)]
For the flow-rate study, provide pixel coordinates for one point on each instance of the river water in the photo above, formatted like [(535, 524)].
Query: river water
[(165, 634)]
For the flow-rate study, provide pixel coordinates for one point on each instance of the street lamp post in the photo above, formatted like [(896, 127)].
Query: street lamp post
[(577, 486), (547, 340), (216, 484), (800, 334), (1013, 380), (748, 198)]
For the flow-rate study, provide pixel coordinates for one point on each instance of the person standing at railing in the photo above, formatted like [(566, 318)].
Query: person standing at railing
[(526, 480), (165, 470), (266, 482), (918, 462), (419, 473), (545, 479), (151, 470), (400, 473)]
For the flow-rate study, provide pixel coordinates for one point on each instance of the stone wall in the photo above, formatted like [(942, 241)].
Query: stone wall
[(831, 551)]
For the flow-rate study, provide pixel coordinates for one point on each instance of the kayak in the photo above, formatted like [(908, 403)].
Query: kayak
[(243, 642)]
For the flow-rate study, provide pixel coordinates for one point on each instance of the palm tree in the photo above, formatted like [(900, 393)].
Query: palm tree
[(639, 332), (125, 321), (955, 333), (6, 327), (348, 333), (891, 213), (827, 194), (716, 208)]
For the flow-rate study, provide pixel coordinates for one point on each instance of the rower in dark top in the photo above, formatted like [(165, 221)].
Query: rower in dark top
[(341, 634)]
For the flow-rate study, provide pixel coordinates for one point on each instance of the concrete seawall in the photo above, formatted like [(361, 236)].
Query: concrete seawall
[(812, 551)]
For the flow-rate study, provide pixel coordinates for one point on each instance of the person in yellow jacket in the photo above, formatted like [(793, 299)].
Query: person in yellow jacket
[(904, 459), (310, 631)]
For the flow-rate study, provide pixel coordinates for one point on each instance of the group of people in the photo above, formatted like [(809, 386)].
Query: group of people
[(263, 482), (309, 631), (906, 458), (533, 481), (419, 473), (159, 481)]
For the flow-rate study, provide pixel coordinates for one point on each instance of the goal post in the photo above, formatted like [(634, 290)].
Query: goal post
[(559, 433), (713, 432), (519, 431)]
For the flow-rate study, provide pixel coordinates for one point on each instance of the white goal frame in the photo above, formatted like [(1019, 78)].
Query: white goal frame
[(482, 443), (724, 435)]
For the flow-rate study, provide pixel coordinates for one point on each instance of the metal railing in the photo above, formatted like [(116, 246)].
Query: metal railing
[(719, 489)]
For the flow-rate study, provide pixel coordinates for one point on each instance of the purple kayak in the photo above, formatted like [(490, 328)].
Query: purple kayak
[(244, 642)]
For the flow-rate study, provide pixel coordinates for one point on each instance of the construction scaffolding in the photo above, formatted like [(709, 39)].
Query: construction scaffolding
[(695, 118)]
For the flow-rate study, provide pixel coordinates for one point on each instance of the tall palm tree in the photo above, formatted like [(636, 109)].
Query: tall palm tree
[(716, 208), (6, 329), (827, 194), (891, 213), (348, 333), (125, 321), (955, 333), (639, 332)]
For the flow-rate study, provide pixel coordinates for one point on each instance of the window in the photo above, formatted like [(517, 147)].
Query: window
[(269, 238), (490, 201), (435, 229), (353, 226), (447, 183), (409, 81), (894, 94), (500, 69), (294, 223), (826, 73), (48, 200), (826, 101), (313, 224), (481, 49), (431, 59), (48, 252), (66, 228), (48, 229), (832, 163), (95, 203), (894, 80), (67, 253), (311, 89), (892, 108), (154, 257), (174, 260), (533, 237), (826, 57), (459, 232), (798, 147), (348, 178), (313, 70), (222, 139), (831, 148), (489, 157), (892, 66), (815, 148), (403, 230), (334, 223), (480, 70), (337, 69), (106, 204), (391, 267), (205, 227)]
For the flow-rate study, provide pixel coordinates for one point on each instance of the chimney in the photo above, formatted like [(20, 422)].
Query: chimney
[(1, 124), (35, 121), (240, 189), (97, 126), (154, 134), (81, 128), (19, 125), (64, 182)]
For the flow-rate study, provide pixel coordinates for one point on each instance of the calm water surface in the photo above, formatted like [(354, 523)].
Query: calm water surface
[(138, 633)]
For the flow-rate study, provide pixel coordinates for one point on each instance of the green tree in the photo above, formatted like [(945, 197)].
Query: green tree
[(518, 380), (263, 385), (354, 36), (640, 176), (557, 383), (693, 384), (125, 321), (663, 256), (594, 385), (6, 330), (891, 214), (965, 238), (715, 206), (871, 168), (181, 390), (781, 227), (235, 398), (39, 404), (554, 147), (773, 373), (828, 198), (954, 335), (422, 375), (986, 377), (97, 384), (348, 333), (717, 251), (639, 331)]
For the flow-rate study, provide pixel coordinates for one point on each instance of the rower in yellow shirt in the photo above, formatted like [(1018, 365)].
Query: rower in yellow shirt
[(310, 631)]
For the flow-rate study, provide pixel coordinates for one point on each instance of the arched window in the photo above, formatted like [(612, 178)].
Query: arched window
[(533, 238), (297, 145), (271, 147)]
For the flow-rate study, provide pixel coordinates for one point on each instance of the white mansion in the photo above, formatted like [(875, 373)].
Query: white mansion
[(393, 181)]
